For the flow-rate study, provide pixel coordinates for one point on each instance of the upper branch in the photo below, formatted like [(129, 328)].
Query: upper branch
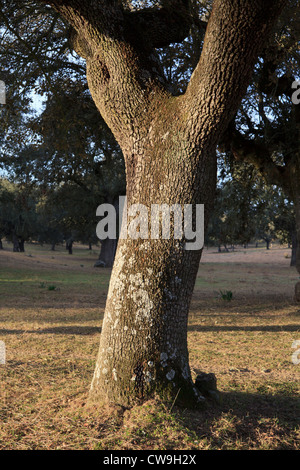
[(91, 19), (118, 79), (235, 34)]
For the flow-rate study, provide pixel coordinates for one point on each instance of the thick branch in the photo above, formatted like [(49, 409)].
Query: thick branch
[(118, 81), (235, 34), (91, 19)]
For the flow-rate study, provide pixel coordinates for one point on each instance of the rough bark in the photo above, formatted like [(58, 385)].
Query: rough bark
[(169, 148)]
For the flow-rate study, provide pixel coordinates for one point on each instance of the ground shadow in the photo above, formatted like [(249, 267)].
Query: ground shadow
[(61, 330), (249, 416), (265, 328)]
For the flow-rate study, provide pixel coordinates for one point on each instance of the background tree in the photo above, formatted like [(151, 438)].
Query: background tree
[(266, 130), (18, 221), (232, 220), (35, 150)]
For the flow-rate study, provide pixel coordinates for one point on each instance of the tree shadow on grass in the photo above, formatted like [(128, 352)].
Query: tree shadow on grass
[(262, 328), (252, 420), (61, 330)]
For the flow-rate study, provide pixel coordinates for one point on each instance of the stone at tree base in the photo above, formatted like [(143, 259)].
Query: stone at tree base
[(207, 385), (99, 264), (297, 292)]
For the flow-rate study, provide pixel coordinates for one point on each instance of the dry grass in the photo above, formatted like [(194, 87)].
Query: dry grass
[(52, 338)]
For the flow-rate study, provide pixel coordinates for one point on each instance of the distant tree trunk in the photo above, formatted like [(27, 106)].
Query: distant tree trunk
[(1, 244), (107, 253), (53, 246), (18, 243), (15, 240), (69, 245), (108, 246), (297, 212), (294, 249), (21, 245)]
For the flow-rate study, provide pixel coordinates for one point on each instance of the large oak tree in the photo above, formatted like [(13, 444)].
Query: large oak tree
[(169, 146)]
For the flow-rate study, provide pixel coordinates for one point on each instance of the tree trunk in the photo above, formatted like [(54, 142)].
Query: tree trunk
[(69, 246), (143, 346), (297, 212), (294, 249), (15, 243), (21, 245), (109, 245), (107, 253), (1, 245), (295, 186)]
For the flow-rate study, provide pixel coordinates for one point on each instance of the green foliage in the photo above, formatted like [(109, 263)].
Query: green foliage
[(52, 287), (66, 139), (17, 211), (226, 295), (248, 209)]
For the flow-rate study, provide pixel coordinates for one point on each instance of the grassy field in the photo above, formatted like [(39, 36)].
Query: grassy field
[(51, 309)]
